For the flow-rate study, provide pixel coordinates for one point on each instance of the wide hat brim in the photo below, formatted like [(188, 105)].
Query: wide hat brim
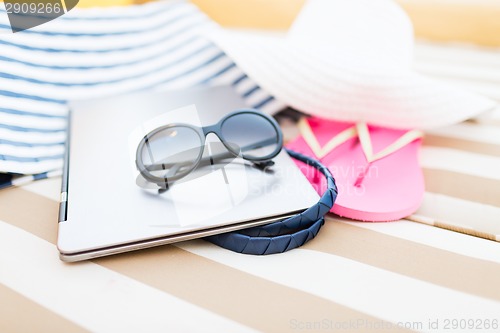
[(336, 75)]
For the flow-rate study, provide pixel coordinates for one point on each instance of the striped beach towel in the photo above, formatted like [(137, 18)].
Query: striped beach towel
[(161, 46), (354, 276), (94, 53)]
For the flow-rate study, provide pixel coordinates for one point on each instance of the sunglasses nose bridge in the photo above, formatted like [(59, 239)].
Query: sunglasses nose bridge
[(211, 129), (212, 132), (215, 130)]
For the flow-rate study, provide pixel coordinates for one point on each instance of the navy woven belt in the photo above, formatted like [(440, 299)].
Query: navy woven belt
[(287, 234)]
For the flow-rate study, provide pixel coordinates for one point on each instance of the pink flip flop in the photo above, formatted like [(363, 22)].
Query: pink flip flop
[(376, 169)]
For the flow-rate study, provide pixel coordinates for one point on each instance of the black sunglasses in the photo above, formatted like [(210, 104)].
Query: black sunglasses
[(171, 152)]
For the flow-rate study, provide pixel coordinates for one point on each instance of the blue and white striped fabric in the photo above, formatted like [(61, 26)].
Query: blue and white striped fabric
[(93, 53)]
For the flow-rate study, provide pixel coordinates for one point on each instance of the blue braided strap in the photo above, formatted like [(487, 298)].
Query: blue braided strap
[(281, 236)]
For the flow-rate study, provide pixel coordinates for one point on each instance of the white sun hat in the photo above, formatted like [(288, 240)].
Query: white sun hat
[(350, 61)]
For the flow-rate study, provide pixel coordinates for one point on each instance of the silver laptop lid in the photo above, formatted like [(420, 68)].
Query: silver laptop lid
[(106, 208)]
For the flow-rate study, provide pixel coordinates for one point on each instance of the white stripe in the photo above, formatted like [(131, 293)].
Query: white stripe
[(33, 137), (461, 55), (33, 152), (30, 266), (31, 167), (27, 105), (473, 73), (33, 122), (487, 89), (461, 213), (470, 131), (368, 289), (460, 161)]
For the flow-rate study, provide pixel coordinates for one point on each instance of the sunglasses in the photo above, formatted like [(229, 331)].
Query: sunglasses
[(171, 152)]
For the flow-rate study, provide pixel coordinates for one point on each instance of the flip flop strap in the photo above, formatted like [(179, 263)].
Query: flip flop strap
[(287, 234), (362, 132), (334, 142), (366, 143)]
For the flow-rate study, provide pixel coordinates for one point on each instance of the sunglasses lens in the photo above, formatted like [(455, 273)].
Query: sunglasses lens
[(172, 152), (254, 135)]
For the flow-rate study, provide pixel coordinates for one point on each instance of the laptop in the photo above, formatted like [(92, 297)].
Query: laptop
[(105, 211)]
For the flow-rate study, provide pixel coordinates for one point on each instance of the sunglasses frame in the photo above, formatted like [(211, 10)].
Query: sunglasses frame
[(202, 133)]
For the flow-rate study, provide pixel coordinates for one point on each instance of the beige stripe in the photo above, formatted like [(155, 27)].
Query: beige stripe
[(20, 314), (31, 212), (242, 297), (459, 185), (462, 144), (422, 262)]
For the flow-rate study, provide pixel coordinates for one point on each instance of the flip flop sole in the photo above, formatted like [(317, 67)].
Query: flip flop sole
[(387, 189)]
